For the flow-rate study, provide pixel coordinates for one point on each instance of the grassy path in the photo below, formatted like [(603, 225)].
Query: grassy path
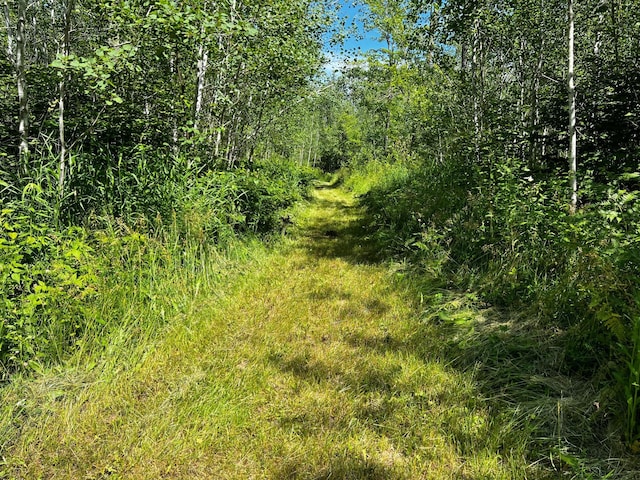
[(312, 365)]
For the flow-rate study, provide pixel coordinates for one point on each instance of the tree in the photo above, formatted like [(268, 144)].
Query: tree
[(16, 42), (141, 85), (573, 139), (65, 50)]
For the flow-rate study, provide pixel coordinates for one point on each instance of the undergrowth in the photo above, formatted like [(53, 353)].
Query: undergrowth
[(510, 241), (311, 362), (57, 281)]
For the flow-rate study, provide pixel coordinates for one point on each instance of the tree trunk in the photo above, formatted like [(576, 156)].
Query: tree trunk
[(23, 115), (203, 63), (218, 142), (389, 99), (66, 49), (476, 75), (573, 178), (520, 139), (536, 153), (311, 138), (614, 33), (10, 36)]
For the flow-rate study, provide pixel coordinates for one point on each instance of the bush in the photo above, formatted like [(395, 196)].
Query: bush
[(52, 277), (46, 278), (510, 236), (221, 204), (266, 192)]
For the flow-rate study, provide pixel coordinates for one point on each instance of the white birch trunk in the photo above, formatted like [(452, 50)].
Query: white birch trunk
[(66, 49), (573, 141), (535, 110), (476, 53), (203, 63), (23, 125), (10, 35), (311, 138), (218, 142), (521, 100), (62, 170)]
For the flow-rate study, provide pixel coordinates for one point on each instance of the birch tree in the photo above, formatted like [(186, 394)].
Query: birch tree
[(573, 139), (16, 45), (65, 50)]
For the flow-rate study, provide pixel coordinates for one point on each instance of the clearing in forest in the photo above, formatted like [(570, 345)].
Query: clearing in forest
[(312, 364)]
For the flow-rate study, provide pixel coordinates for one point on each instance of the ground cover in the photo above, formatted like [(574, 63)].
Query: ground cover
[(317, 360)]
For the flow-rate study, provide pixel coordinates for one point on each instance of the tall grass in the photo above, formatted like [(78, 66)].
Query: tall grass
[(95, 296), (311, 364), (58, 277), (509, 238)]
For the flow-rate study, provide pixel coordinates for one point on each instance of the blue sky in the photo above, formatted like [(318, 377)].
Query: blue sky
[(354, 16), (358, 41)]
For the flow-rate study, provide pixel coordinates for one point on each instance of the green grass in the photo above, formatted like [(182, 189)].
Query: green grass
[(311, 360)]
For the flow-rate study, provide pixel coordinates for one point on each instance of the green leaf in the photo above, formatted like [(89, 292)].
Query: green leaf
[(57, 63)]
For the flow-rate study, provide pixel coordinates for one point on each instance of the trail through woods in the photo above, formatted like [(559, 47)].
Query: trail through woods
[(311, 364)]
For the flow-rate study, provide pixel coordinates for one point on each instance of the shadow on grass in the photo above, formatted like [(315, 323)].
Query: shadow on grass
[(342, 466), (367, 379), (517, 362), (329, 293), (345, 234)]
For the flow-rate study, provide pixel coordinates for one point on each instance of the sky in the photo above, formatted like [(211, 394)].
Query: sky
[(358, 41)]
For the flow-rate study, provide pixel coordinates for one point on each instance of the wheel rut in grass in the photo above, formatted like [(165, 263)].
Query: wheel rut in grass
[(313, 364)]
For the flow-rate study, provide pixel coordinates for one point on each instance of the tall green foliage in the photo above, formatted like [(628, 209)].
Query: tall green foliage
[(53, 281), (146, 122), (471, 99), (149, 85)]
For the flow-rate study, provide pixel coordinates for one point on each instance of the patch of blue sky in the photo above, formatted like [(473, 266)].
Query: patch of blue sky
[(349, 38)]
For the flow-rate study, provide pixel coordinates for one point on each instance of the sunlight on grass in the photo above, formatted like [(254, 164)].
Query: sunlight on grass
[(310, 364)]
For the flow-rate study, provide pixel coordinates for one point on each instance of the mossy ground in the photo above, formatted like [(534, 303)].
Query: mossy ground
[(312, 363)]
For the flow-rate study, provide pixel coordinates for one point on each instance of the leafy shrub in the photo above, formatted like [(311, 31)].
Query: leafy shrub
[(45, 279), (510, 236), (52, 277), (270, 187), (221, 204)]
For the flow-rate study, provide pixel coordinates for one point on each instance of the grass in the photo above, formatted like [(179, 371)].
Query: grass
[(312, 360)]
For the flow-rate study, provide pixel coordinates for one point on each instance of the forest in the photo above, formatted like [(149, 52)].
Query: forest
[(467, 190)]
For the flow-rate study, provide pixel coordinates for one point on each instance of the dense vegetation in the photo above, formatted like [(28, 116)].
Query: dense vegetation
[(133, 136), (141, 136), (461, 124)]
